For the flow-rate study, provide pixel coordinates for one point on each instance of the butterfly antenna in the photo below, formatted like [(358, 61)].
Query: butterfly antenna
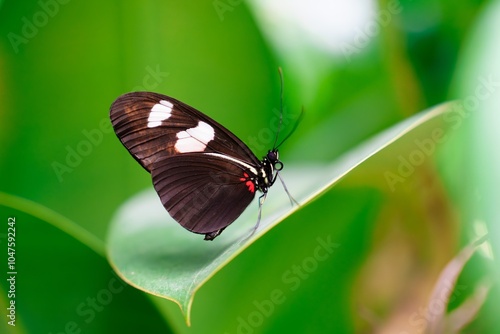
[(281, 108), (294, 127)]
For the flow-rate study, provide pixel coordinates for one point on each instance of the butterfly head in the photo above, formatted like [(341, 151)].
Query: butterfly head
[(273, 157), (271, 165)]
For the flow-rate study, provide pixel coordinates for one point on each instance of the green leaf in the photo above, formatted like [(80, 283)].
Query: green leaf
[(478, 83), (150, 251), (54, 218), (63, 282)]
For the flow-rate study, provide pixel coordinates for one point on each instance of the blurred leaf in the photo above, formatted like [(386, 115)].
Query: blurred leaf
[(152, 252), (45, 214), (439, 321), (460, 317), (478, 83), (5, 328), (64, 286), (472, 167)]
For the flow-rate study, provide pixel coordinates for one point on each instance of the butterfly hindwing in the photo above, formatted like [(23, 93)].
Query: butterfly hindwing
[(204, 193)]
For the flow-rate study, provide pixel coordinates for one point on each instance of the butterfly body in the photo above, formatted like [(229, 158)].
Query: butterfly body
[(204, 175)]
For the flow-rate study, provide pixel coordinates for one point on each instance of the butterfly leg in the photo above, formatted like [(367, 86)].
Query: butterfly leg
[(262, 198), (292, 200)]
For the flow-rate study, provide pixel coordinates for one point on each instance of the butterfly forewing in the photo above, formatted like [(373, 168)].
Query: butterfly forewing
[(149, 124)]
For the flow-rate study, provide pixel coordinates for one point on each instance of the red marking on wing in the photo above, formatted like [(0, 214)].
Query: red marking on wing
[(250, 186), (248, 183)]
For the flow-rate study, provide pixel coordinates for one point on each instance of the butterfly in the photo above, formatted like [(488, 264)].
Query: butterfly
[(204, 175)]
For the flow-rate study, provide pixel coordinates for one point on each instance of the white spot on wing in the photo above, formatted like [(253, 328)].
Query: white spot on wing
[(194, 139), (160, 112)]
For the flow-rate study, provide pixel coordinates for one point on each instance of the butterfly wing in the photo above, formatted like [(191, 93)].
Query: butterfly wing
[(151, 125), (200, 170), (203, 192)]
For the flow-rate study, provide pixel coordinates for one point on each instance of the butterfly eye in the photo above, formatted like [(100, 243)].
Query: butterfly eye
[(272, 156)]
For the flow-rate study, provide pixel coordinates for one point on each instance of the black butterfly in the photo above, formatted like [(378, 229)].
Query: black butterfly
[(205, 176)]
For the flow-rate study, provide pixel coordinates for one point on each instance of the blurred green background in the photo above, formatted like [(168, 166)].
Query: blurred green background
[(355, 68)]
